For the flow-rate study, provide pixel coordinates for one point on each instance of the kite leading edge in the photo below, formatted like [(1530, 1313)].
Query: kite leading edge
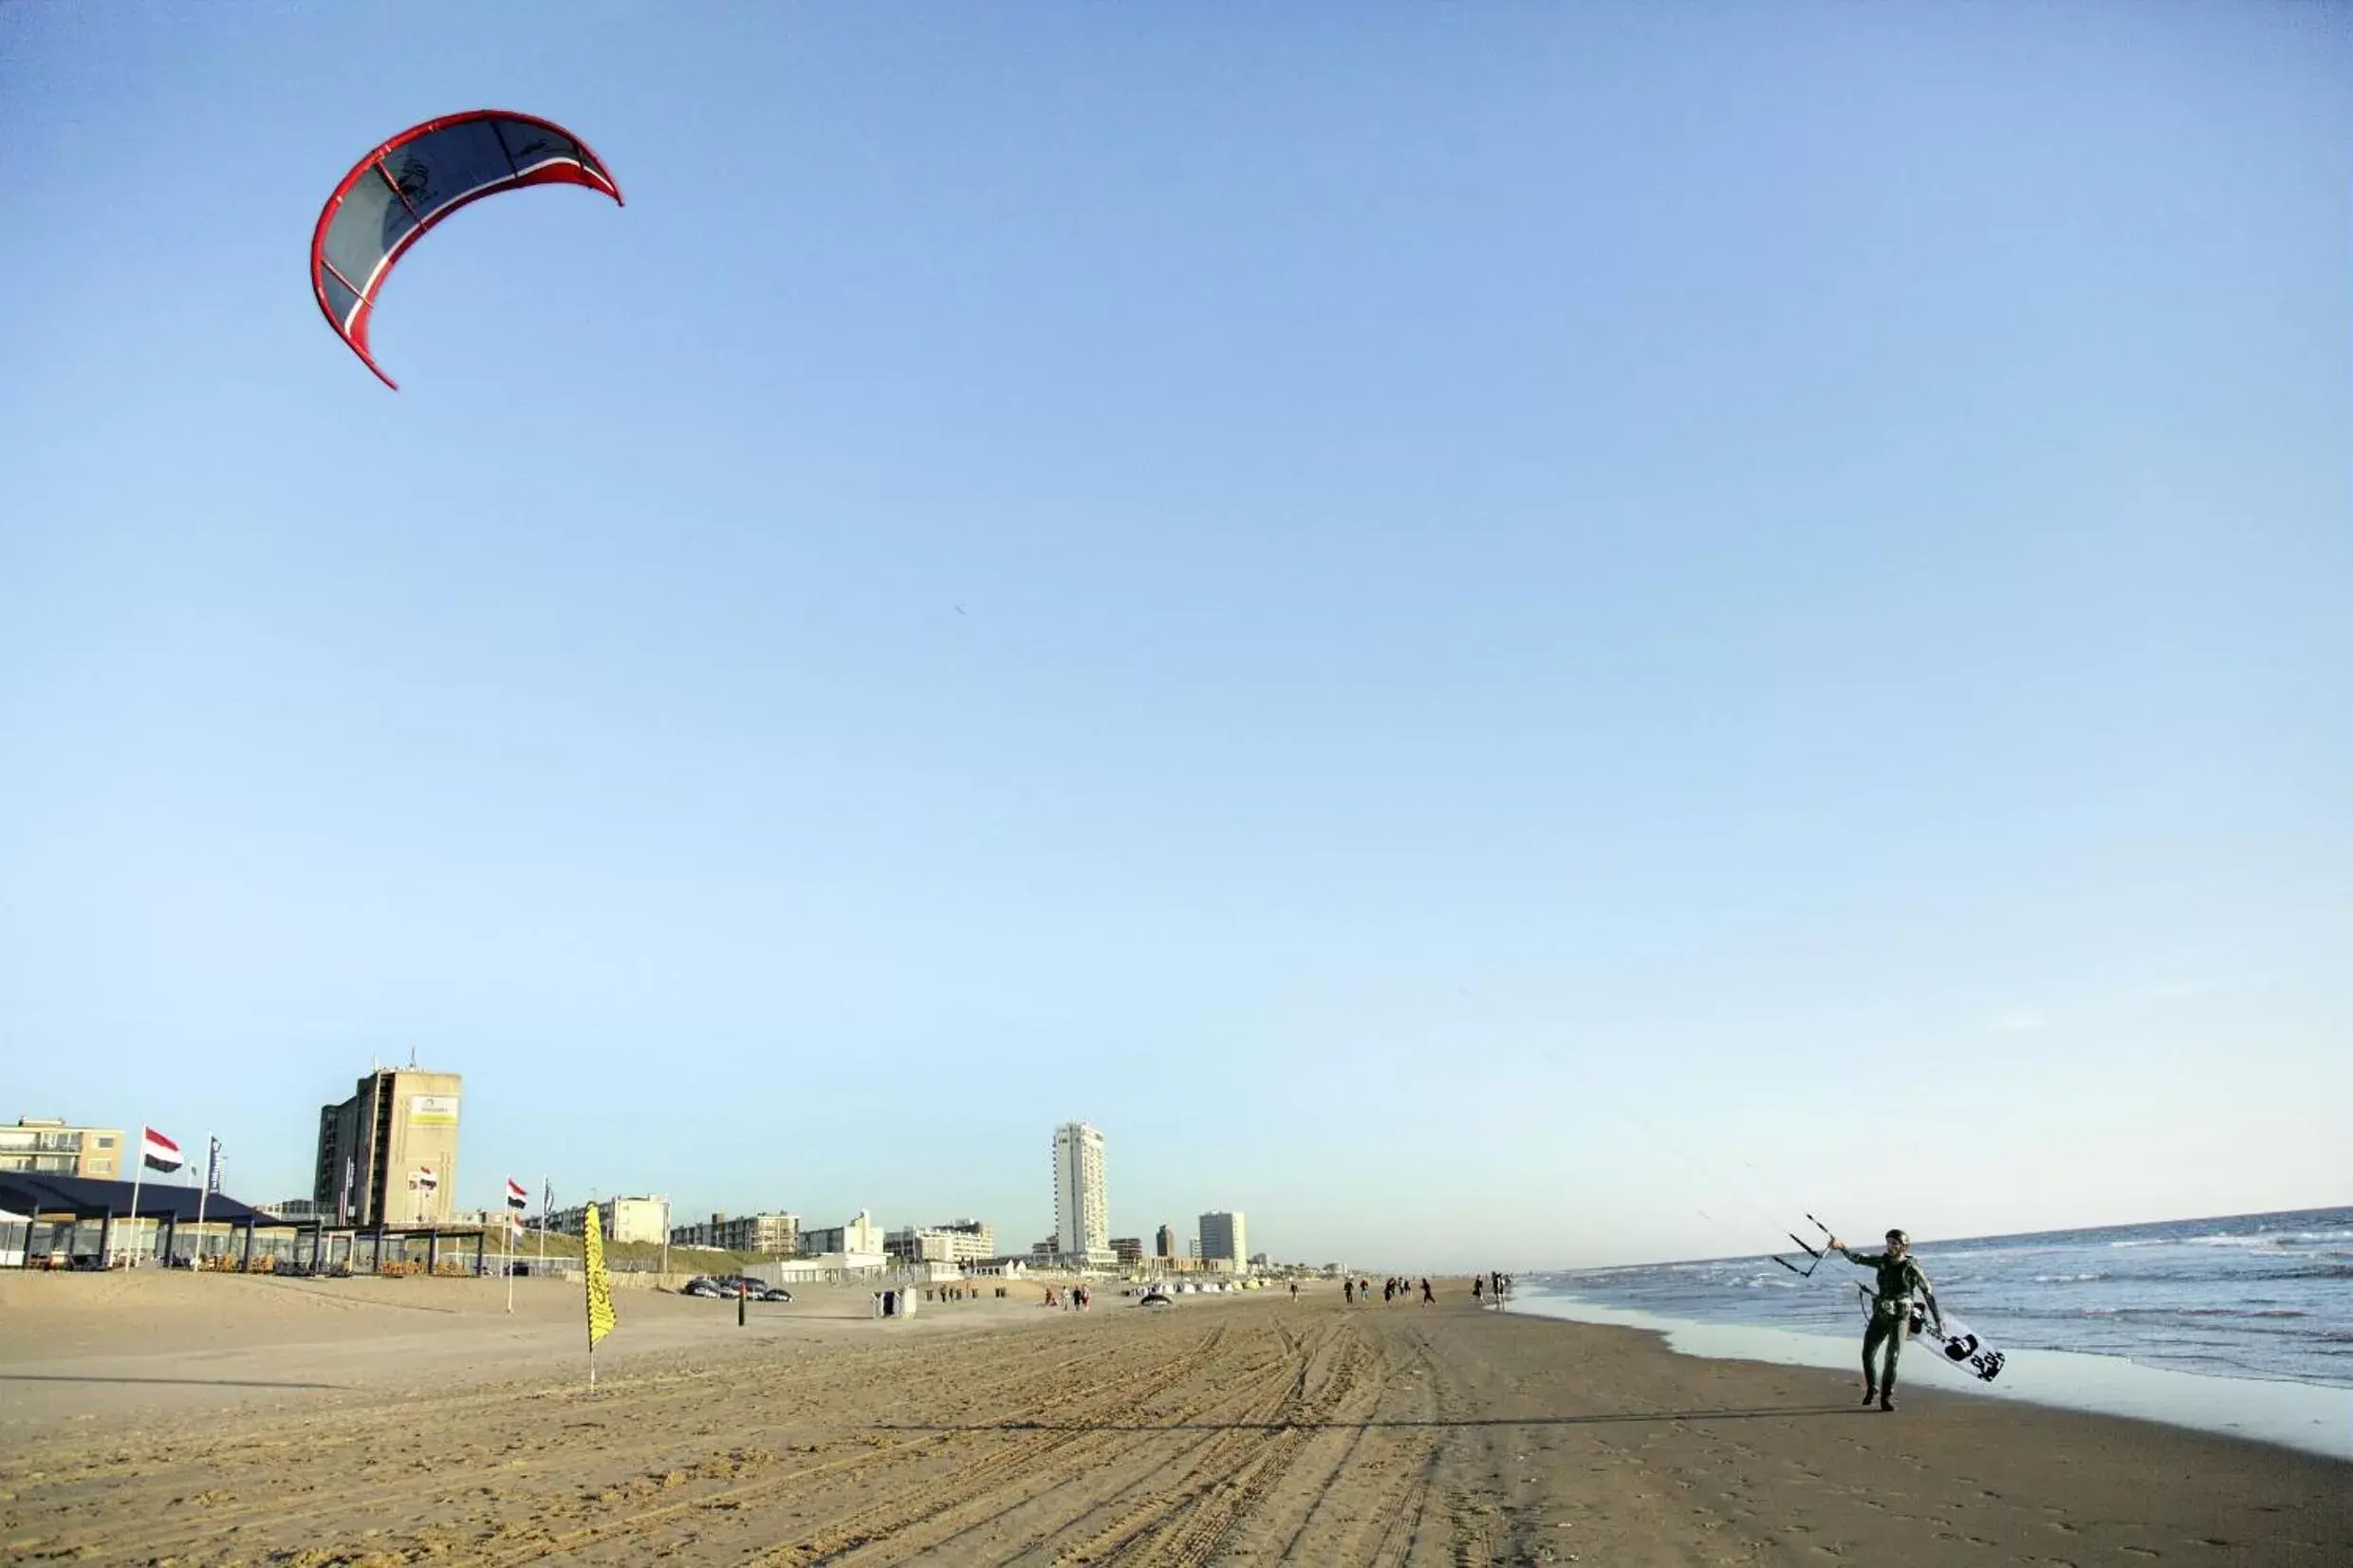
[(403, 188)]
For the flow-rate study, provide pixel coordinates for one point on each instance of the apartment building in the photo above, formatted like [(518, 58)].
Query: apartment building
[(771, 1234), (1225, 1238), (644, 1219), (45, 1146), (388, 1155)]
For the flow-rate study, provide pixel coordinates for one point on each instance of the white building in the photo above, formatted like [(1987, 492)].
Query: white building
[(1081, 1209), (860, 1237), (823, 1268), (620, 1219), (941, 1244), (1225, 1238)]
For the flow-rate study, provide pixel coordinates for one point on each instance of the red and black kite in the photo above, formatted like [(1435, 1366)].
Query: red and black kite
[(413, 181)]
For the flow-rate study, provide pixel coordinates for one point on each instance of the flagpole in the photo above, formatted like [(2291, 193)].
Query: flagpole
[(204, 1191), (139, 1174)]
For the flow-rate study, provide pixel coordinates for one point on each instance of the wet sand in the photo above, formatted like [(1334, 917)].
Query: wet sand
[(222, 1420)]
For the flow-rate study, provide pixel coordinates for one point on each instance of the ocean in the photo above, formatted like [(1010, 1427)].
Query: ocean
[(2253, 1295), (2202, 1311)]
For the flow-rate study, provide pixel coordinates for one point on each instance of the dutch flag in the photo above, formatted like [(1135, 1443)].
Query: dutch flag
[(156, 1152)]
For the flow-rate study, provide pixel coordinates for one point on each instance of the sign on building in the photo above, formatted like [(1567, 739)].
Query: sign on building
[(433, 1110)]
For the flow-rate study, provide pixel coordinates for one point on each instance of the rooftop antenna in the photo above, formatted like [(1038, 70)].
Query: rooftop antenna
[(411, 1059)]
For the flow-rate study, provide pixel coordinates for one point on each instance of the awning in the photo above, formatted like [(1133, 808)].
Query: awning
[(85, 1198)]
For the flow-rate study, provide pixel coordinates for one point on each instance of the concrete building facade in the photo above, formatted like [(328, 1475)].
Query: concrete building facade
[(1168, 1243), (1225, 1238), (948, 1244), (851, 1251), (50, 1147), (646, 1219), (1082, 1204), (1129, 1250), (777, 1235), (388, 1155), (984, 1235), (858, 1238)]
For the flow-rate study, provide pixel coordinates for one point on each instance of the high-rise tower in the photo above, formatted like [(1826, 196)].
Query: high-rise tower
[(1082, 1210), (388, 1155), (1226, 1236)]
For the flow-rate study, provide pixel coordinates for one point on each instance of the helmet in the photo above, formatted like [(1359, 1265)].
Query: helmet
[(1900, 1236)]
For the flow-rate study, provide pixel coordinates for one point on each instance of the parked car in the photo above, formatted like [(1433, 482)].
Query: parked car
[(727, 1287)]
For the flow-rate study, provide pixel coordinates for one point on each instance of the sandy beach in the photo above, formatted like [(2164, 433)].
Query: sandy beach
[(169, 1419)]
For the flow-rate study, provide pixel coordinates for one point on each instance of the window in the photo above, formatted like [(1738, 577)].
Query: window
[(104, 1141)]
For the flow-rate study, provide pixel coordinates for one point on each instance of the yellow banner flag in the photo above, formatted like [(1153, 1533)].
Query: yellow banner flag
[(600, 1287)]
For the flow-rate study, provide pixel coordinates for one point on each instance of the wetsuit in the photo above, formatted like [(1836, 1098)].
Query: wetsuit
[(1891, 1312)]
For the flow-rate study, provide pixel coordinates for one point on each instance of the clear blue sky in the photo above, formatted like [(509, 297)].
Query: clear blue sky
[(1579, 626)]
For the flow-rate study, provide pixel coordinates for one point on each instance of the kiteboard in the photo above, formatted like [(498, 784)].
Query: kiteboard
[(1955, 1343), (1958, 1345)]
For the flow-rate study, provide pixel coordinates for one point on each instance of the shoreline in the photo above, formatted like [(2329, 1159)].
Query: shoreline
[(2315, 1418)]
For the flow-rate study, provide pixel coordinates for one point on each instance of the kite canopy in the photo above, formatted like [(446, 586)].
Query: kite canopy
[(413, 181)]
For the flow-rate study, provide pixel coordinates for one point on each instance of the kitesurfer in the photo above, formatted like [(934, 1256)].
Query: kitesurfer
[(1900, 1279)]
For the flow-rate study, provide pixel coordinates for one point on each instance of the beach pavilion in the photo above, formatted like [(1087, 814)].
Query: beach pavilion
[(59, 1210), (76, 1222)]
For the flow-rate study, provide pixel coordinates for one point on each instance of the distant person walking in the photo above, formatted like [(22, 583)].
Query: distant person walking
[(1347, 1291), (1478, 1288), (1427, 1299), (1899, 1280), (1295, 1290)]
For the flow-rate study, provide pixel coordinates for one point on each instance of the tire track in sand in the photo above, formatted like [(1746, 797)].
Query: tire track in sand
[(924, 1499), (213, 1522), (1230, 1476), (1107, 1450), (1083, 1402), (1390, 1459)]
